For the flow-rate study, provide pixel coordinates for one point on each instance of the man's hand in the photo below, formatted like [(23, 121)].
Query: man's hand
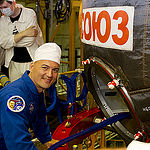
[(50, 143), (29, 32)]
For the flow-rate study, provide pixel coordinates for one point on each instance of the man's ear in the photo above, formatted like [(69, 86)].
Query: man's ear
[(31, 65)]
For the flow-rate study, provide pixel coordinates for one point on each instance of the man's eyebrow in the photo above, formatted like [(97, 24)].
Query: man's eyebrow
[(49, 66), (45, 65)]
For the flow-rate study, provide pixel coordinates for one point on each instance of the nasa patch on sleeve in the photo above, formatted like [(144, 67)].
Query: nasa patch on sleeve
[(16, 103)]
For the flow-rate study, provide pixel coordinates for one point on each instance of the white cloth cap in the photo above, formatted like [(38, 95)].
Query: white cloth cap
[(136, 145), (48, 51)]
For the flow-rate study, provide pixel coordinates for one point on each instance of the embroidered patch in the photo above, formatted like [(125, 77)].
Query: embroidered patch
[(16, 103), (31, 108)]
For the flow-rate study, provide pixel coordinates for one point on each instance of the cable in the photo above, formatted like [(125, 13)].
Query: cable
[(62, 10), (52, 96), (71, 89)]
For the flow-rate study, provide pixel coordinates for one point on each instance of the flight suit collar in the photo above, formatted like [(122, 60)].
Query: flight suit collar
[(29, 83)]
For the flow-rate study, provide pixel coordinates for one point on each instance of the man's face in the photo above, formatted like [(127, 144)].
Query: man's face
[(12, 104), (43, 73), (5, 5)]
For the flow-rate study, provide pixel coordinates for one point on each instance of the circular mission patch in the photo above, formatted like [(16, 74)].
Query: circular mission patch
[(16, 103)]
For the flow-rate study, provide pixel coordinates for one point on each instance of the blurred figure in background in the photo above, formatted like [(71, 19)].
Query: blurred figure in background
[(2, 57), (20, 36)]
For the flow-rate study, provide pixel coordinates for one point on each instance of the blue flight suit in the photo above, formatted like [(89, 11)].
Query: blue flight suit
[(29, 111)]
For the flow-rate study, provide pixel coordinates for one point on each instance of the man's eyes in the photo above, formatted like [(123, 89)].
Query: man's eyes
[(55, 70), (44, 68)]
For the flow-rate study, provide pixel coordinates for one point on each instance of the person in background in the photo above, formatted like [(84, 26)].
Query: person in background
[(2, 56), (3, 78), (20, 36), (22, 102)]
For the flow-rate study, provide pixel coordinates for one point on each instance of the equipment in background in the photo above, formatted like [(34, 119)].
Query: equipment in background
[(71, 95), (79, 125), (74, 124), (76, 127), (62, 10), (3, 80), (115, 37)]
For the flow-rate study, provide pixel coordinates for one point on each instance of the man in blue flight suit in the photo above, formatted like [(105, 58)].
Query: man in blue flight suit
[(22, 102)]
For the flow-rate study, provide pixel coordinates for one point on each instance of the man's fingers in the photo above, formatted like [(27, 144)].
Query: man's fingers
[(35, 32), (33, 27)]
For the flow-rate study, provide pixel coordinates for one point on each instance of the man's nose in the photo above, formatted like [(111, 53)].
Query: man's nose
[(50, 73)]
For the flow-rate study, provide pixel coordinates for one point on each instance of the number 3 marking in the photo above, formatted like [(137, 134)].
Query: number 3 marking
[(122, 27)]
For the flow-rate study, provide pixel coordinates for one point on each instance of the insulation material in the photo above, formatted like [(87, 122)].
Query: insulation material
[(118, 31)]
